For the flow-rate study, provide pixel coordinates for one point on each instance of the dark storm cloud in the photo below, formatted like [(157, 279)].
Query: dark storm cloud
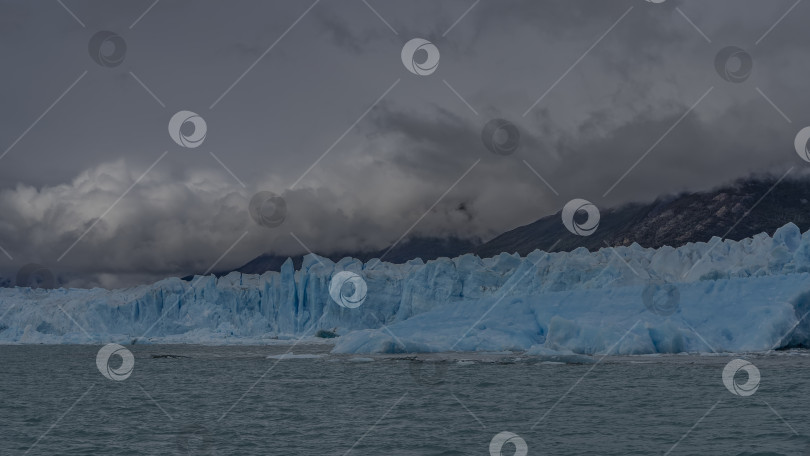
[(294, 104)]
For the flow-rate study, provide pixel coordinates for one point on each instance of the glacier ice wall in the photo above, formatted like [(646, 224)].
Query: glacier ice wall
[(733, 296)]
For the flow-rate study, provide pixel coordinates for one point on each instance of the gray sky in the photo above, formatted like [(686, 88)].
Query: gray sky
[(617, 76)]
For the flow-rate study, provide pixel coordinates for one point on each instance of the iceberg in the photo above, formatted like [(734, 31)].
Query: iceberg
[(718, 296)]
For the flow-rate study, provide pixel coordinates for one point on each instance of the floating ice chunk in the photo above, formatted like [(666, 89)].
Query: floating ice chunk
[(293, 356), (361, 360)]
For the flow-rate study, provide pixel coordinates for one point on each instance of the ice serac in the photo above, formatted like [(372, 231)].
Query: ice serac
[(749, 295)]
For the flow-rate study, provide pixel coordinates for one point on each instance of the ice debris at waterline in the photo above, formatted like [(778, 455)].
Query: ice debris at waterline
[(750, 295)]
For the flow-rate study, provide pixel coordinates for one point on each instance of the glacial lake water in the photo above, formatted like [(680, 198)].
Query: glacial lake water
[(234, 400)]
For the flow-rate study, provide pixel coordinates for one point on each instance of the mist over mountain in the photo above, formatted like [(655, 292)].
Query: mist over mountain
[(736, 211)]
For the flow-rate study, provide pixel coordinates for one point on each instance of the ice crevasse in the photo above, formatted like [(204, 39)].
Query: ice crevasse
[(718, 296)]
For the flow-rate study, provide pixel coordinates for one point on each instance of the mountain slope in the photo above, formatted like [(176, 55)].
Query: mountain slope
[(735, 212)]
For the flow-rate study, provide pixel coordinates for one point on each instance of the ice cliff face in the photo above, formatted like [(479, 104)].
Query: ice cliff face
[(715, 296)]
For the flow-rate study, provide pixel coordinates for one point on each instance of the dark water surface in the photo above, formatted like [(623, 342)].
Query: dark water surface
[(235, 401)]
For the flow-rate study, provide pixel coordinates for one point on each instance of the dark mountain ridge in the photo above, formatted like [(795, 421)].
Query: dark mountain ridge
[(417, 247)]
